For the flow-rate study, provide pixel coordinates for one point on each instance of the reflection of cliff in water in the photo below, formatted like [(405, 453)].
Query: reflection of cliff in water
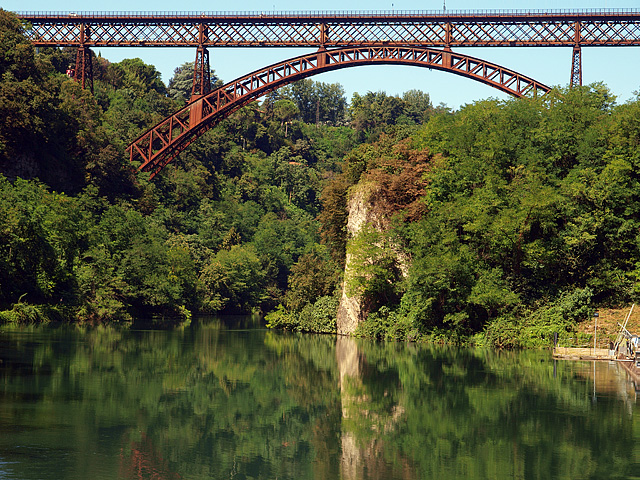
[(366, 413)]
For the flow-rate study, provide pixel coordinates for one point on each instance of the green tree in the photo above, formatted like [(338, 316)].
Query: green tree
[(141, 77), (233, 280), (417, 107), (333, 217), (40, 239), (284, 111), (312, 276), (180, 85), (317, 101), (374, 111)]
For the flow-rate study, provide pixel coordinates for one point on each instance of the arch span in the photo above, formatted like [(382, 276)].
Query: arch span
[(162, 143)]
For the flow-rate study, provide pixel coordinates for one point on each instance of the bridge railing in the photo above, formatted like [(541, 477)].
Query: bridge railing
[(328, 14)]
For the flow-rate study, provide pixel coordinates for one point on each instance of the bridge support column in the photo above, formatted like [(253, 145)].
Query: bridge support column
[(576, 59), (201, 71), (84, 68), (201, 74), (576, 67)]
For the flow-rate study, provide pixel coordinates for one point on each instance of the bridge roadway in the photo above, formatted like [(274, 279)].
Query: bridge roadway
[(434, 29)]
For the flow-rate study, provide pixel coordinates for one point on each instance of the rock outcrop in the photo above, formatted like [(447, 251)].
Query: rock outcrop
[(351, 310), (354, 309)]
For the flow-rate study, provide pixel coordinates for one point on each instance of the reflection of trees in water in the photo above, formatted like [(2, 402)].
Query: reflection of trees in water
[(485, 414), (212, 402)]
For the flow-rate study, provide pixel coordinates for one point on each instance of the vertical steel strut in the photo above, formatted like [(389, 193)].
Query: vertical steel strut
[(201, 74), (576, 59), (201, 71), (576, 67), (84, 67)]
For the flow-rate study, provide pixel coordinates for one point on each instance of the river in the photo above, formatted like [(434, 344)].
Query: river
[(221, 401)]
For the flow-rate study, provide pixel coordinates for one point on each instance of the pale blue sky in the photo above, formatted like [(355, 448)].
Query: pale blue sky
[(616, 67)]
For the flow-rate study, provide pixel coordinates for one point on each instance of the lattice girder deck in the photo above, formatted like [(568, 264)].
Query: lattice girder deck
[(338, 29)]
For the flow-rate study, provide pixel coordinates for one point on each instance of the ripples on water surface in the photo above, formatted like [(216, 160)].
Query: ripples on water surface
[(217, 402)]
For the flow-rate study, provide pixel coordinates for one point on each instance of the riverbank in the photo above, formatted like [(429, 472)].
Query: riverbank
[(498, 334), (23, 314), (609, 321)]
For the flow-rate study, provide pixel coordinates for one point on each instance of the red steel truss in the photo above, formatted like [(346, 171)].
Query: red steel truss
[(337, 29), (343, 39), (162, 143)]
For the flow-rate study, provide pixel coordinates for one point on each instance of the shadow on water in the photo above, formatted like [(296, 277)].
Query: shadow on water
[(226, 398), (233, 322)]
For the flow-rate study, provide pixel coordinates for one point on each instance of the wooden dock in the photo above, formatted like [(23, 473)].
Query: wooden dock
[(570, 353), (630, 364)]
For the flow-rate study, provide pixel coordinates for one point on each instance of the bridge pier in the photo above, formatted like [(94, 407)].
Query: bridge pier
[(201, 74), (576, 67), (84, 68), (576, 59), (201, 70)]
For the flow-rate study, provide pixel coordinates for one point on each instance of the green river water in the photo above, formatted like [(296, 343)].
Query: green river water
[(218, 400)]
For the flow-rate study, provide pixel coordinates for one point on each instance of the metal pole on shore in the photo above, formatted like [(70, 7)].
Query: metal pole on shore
[(595, 332)]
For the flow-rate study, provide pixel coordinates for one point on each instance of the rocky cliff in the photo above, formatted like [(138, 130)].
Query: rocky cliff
[(353, 309)]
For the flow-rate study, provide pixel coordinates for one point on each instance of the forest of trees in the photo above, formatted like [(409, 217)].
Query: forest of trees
[(514, 217)]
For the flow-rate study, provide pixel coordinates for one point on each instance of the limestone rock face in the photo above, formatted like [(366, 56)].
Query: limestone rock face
[(350, 313), (352, 310)]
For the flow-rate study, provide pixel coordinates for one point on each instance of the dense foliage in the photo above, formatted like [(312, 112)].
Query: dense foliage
[(505, 220), (82, 237), (529, 216)]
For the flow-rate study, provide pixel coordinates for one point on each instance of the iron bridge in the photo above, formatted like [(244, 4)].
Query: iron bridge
[(341, 39)]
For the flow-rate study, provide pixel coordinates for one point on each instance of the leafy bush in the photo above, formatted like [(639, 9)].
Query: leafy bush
[(386, 324), (319, 317), (27, 314), (281, 318), (503, 332), (537, 328)]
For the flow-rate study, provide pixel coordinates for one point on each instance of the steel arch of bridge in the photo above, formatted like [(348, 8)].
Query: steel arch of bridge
[(162, 143)]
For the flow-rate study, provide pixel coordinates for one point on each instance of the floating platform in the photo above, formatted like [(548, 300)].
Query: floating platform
[(570, 353), (630, 364)]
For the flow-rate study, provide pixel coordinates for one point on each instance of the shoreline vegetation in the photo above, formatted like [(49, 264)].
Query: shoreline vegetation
[(498, 224)]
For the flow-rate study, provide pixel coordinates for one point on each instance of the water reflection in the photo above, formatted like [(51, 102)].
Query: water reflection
[(368, 414), (214, 401)]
